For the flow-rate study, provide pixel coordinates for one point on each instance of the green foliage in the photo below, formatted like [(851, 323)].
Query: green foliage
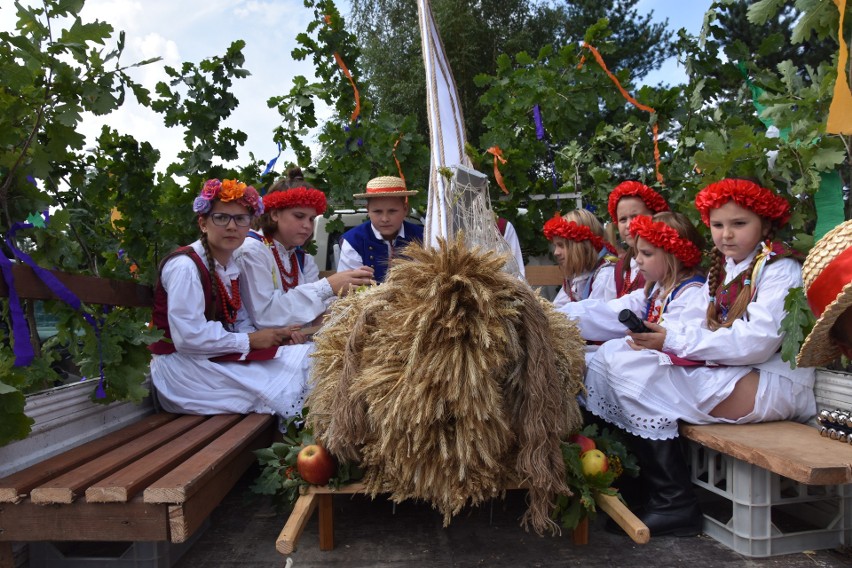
[(571, 510), (796, 325), (279, 476)]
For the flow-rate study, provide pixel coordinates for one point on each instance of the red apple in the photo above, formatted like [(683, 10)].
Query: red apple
[(584, 442), (594, 462), (315, 464)]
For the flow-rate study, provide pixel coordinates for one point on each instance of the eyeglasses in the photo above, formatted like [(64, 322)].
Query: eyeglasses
[(223, 219)]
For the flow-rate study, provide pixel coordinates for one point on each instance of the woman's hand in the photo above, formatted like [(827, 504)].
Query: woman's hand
[(346, 280), (653, 339), (270, 337)]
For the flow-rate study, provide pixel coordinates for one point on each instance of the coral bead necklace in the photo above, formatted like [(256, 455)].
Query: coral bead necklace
[(231, 303), (289, 278)]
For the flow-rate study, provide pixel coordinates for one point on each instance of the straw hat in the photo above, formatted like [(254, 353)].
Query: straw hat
[(827, 275), (385, 186)]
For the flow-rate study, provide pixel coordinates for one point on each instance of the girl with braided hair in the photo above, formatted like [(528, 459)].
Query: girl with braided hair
[(583, 255), (282, 284), (716, 363), (628, 200), (211, 360)]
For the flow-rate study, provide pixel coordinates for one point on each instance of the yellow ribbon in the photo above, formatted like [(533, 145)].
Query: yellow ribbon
[(840, 111)]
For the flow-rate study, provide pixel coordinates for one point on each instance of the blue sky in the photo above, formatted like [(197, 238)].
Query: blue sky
[(191, 30)]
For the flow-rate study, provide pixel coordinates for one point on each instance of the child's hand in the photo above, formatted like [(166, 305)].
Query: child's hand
[(651, 340), (296, 336), (269, 337), (348, 279)]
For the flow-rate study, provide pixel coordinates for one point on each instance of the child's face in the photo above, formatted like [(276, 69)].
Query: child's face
[(387, 214), (627, 209), (294, 225), (736, 230), (226, 226), (652, 261), (560, 251)]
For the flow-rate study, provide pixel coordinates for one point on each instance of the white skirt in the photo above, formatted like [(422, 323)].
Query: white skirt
[(197, 385), (638, 392)]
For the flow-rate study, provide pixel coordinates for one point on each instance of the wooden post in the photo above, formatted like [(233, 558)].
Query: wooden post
[(580, 535), (326, 521), (302, 511)]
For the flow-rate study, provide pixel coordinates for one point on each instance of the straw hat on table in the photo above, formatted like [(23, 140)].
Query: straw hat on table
[(385, 186), (827, 276)]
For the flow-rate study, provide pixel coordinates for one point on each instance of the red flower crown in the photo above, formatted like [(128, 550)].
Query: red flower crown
[(296, 197), (557, 226), (667, 238), (653, 200), (763, 202)]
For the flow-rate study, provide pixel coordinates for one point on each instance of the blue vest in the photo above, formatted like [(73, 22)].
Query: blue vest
[(373, 251)]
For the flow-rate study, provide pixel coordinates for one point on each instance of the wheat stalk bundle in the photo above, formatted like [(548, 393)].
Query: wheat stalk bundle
[(450, 382)]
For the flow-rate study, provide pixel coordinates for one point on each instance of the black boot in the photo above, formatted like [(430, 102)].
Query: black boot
[(671, 507)]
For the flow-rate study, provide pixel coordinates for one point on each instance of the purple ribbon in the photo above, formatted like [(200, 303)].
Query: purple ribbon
[(23, 348), (56, 287), (539, 125)]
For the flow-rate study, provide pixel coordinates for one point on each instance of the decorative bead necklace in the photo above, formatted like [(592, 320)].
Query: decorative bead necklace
[(568, 287), (289, 278), (232, 303), (628, 282)]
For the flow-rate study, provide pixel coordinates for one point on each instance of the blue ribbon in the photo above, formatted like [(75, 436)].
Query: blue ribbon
[(23, 348), (271, 163), (57, 288), (540, 134)]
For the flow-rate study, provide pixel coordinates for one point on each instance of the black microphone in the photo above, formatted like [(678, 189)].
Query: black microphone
[(632, 322)]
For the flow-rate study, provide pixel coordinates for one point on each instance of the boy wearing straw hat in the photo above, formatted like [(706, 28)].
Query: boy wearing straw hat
[(375, 242), (827, 277)]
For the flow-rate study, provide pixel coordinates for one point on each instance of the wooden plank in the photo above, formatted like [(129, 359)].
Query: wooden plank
[(182, 482), (66, 487), (790, 449), (133, 521), (7, 556), (303, 509), (543, 275), (618, 512), (187, 517), (16, 486), (90, 289), (122, 485)]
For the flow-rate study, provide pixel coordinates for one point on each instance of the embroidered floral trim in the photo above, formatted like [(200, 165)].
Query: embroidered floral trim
[(296, 197), (763, 202), (653, 200), (662, 236), (226, 191), (557, 226)]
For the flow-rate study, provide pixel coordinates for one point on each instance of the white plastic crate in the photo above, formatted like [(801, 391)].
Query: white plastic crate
[(759, 513)]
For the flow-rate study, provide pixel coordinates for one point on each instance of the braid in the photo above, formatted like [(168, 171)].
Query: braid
[(712, 284), (211, 267)]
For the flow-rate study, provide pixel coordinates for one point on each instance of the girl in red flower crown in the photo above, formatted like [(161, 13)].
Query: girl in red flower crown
[(281, 283), (668, 254), (628, 200), (718, 361), (583, 255), (211, 360)]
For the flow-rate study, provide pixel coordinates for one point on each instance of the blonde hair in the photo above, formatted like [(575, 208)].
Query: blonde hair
[(582, 257), (674, 266)]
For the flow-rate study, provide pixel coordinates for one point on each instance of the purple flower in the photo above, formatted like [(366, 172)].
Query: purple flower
[(360, 142), (201, 205)]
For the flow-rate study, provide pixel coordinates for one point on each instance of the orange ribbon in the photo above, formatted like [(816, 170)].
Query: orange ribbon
[(498, 155), (629, 99), (398, 166), (348, 75)]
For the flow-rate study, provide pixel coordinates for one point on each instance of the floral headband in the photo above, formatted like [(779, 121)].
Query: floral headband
[(226, 191), (296, 197), (763, 202), (653, 200), (667, 238), (557, 226)]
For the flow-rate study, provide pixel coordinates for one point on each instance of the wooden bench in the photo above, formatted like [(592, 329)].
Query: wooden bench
[(775, 487), (155, 480)]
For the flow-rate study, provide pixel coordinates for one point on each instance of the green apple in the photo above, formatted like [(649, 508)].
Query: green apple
[(594, 462)]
